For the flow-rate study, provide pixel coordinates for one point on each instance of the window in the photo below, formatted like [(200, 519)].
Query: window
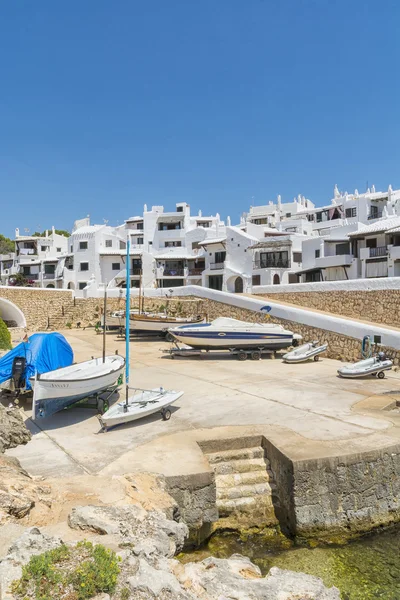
[(179, 209), (374, 213), (293, 278), (220, 257), (44, 248), (49, 269), (342, 249), (319, 217), (82, 285), (297, 257), (310, 217), (84, 266), (83, 245), (203, 223), (288, 215), (277, 260), (169, 226), (116, 267), (351, 212), (173, 244), (371, 243), (122, 245), (260, 221), (317, 253), (108, 243), (139, 240), (58, 249), (256, 280)]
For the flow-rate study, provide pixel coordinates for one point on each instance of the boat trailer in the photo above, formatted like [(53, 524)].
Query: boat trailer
[(241, 354)]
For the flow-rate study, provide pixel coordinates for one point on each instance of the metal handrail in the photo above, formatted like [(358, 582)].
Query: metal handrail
[(379, 251)]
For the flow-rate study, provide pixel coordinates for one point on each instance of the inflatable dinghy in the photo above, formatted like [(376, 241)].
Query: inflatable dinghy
[(305, 352), (376, 365)]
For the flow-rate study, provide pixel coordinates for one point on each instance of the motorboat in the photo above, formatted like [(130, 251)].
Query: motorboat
[(40, 353), (145, 402), (226, 333), (61, 388), (140, 405), (376, 365), (115, 320), (305, 352)]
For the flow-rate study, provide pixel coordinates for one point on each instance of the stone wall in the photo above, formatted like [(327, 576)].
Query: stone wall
[(348, 494), (378, 306), (55, 309)]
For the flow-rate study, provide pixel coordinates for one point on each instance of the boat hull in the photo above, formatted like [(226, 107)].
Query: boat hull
[(225, 340), (297, 356), (362, 369), (52, 395), (139, 406), (153, 325)]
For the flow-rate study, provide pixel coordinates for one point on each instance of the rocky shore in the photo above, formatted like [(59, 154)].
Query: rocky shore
[(143, 527)]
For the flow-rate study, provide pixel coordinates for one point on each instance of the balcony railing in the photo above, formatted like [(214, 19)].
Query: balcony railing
[(49, 275), (136, 271), (33, 276), (173, 272), (377, 215), (271, 264), (196, 271), (379, 251), (215, 266)]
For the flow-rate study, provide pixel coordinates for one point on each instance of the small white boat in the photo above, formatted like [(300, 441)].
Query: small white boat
[(60, 388), (224, 333), (305, 352), (142, 404), (376, 365), (159, 323)]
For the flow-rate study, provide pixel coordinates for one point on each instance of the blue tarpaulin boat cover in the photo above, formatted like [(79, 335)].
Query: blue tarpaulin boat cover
[(43, 352)]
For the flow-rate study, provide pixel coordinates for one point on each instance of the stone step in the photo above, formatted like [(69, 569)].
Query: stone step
[(244, 491), (247, 478), (236, 454), (259, 504), (241, 466)]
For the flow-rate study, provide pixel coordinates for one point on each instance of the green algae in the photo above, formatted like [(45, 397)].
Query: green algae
[(364, 569)]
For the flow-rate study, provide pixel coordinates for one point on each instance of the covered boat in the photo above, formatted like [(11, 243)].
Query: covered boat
[(140, 405), (42, 352), (376, 365), (305, 352), (225, 333), (61, 388)]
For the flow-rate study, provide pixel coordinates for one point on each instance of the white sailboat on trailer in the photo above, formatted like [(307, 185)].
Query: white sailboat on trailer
[(144, 402)]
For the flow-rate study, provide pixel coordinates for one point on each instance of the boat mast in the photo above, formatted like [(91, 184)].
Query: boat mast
[(127, 312), (104, 322)]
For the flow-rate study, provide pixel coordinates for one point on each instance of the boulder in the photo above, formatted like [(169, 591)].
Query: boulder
[(238, 578), (31, 542), (13, 431), (149, 534)]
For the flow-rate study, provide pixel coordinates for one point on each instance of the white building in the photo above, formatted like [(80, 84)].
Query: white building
[(36, 258)]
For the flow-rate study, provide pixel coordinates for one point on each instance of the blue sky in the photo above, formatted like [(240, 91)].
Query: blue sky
[(221, 103)]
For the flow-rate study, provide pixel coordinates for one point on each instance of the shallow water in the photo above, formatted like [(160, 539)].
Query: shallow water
[(364, 569)]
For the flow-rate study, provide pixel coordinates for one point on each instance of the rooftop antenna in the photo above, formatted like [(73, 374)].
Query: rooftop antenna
[(27, 230)]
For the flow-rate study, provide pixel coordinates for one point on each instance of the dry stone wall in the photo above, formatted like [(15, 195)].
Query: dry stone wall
[(49, 310), (378, 306)]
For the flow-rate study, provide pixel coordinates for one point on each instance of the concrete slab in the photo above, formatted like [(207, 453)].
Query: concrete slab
[(305, 402)]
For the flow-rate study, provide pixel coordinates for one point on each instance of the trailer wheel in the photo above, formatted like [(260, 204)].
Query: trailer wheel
[(316, 358), (166, 414), (381, 375), (242, 355), (256, 355), (169, 337)]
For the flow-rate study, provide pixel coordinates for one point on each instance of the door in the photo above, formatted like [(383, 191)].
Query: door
[(238, 285)]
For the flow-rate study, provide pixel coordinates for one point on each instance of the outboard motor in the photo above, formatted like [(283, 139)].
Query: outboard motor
[(381, 356), (18, 373)]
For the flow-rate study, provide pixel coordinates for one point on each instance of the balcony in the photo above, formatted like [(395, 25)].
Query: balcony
[(168, 272), (379, 251), (49, 275), (32, 276), (195, 271), (136, 271), (271, 264), (337, 260), (216, 266), (375, 215)]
